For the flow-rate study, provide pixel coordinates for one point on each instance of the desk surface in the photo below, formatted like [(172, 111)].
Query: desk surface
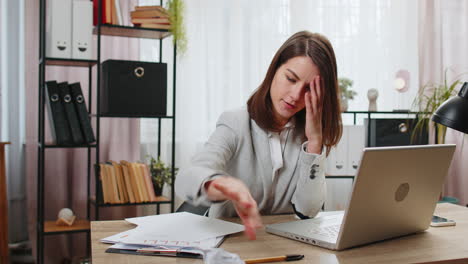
[(436, 245)]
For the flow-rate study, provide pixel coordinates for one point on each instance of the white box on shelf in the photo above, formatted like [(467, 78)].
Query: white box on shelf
[(82, 30), (58, 29)]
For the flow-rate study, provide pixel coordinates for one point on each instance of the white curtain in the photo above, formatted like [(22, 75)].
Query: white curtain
[(13, 113), (231, 43), (443, 45)]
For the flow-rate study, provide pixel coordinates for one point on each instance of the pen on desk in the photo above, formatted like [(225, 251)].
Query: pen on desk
[(274, 259)]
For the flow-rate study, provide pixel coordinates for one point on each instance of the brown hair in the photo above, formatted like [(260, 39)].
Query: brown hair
[(320, 50)]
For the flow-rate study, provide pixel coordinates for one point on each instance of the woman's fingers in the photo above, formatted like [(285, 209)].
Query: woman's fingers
[(308, 103), (234, 192), (246, 207), (313, 101), (251, 220), (319, 89), (315, 94)]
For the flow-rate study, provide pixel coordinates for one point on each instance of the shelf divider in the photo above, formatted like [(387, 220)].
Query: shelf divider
[(80, 225), (132, 32)]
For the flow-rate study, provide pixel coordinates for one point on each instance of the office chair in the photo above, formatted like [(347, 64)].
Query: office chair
[(199, 210)]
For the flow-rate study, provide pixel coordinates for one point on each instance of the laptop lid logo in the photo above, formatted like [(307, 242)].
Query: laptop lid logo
[(402, 192)]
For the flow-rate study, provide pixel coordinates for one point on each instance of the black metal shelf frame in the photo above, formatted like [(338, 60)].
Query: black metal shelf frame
[(369, 115), (68, 62), (66, 146), (42, 145), (157, 203), (98, 31), (67, 232)]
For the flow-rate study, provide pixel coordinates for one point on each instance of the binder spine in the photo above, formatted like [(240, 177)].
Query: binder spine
[(71, 115), (83, 117), (82, 30), (59, 29), (56, 112)]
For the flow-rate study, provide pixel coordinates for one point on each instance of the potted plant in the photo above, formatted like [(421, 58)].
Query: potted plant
[(160, 174), (175, 9), (346, 93), (430, 97)]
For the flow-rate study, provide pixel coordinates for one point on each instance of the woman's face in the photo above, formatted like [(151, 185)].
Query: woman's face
[(289, 85)]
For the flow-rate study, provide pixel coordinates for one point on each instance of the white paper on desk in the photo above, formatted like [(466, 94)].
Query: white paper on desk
[(204, 244), (193, 250), (117, 237), (180, 226)]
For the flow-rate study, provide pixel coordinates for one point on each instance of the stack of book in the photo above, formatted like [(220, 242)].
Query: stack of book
[(151, 17), (126, 182)]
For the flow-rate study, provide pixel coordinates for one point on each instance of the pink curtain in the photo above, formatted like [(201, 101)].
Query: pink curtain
[(66, 169), (443, 42)]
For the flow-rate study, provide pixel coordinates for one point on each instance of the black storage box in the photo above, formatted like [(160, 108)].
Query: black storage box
[(393, 132), (133, 89)]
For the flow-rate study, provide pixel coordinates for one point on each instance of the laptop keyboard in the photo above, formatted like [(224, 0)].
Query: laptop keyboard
[(330, 231)]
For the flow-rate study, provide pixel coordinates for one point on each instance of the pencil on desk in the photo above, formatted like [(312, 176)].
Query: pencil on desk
[(274, 259)]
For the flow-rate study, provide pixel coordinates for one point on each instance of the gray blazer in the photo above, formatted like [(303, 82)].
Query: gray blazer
[(240, 148)]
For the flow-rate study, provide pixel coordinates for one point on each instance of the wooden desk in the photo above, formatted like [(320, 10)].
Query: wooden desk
[(436, 245)]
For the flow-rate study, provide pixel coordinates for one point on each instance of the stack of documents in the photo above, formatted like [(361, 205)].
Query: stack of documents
[(178, 234)]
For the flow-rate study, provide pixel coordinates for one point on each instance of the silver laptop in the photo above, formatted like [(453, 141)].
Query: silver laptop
[(395, 193)]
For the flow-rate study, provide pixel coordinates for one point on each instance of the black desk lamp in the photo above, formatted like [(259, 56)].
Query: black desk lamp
[(453, 113)]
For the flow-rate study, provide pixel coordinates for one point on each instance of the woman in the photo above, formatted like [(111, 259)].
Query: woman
[(269, 158)]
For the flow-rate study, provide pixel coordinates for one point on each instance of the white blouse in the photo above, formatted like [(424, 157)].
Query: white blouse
[(278, 141)]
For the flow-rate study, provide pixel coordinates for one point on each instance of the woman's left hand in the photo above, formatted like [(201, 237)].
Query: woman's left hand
[(314, 106)]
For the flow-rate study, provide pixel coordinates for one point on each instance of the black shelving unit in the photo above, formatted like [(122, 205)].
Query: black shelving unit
[(133, 32), (369, 114), (47, 228)]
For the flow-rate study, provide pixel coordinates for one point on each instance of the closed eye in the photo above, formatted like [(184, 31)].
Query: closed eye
[(290, 79)]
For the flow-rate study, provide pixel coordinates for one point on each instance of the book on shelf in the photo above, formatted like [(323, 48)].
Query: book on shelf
[(111, 12), (141, 187), (155, 26), (118, 9), (112, 187), (117, 189), (151, 20), (104, 18), (146, 13), (114, 18), (126, 182), (149, 184), (150, 7), (104, 183), (134, 181), (123, 193)]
